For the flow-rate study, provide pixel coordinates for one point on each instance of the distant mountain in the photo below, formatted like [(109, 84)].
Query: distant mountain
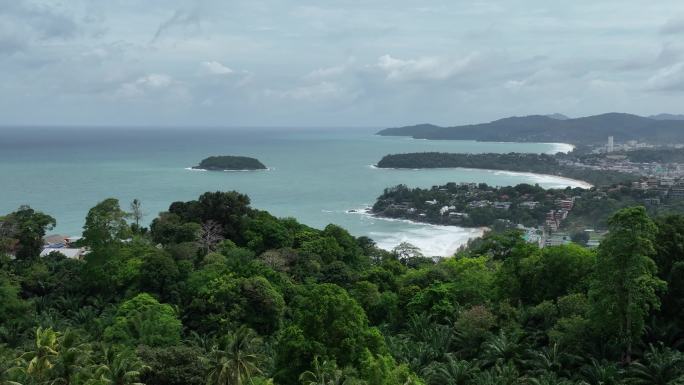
[(667, 117), (539, 128), (558, 116)]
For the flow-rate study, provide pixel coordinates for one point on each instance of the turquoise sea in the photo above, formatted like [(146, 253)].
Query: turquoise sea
[(316, 174)]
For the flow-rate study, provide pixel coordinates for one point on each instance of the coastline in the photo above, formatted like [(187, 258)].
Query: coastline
[(576, 182), (566, 147), (468, 233), (204, 169)]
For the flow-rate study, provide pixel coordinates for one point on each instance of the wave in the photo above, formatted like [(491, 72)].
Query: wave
[(561, 147), (550, 180), (432, 240)]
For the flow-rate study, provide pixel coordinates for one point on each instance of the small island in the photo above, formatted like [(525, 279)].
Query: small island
[(230, 163)]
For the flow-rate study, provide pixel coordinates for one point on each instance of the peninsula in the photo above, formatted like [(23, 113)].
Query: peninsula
[(518, 162), (590, 130), (230, 163)]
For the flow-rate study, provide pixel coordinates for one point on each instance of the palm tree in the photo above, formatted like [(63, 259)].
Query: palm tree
[(598, 373), (8, 367), (118, 368), (73, 357), (451, 372), (237, 359), (548, 378), (41, 361), (550, 359), (662, 366), (502, 349), (498, 375), (325, 373)]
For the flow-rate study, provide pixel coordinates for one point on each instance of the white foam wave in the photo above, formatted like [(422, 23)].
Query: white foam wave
[(437, 241), (432, 240), (561, 147)]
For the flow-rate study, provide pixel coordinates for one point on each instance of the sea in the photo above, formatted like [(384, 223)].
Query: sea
[(316, 175)]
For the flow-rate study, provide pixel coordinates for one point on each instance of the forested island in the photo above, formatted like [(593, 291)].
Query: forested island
[(519, 162), (230, 163), (215, 292), (589, 130)]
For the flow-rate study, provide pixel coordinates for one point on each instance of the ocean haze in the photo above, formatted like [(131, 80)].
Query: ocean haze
[(315, 176)]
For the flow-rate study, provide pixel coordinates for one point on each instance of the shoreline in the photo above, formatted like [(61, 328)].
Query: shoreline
[(579, 183), (204, 169), (570, 145), (469, 232)]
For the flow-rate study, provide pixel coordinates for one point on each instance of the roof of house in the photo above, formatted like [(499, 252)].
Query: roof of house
[(67, 252), (55, 238)]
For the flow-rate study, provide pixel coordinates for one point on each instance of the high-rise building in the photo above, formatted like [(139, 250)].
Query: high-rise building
[(611, 146)]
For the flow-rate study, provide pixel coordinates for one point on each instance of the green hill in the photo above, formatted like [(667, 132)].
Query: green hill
[(537, 128)]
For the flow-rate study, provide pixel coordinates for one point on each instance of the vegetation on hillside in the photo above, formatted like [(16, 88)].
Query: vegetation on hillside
[(229, 162), (591, 130), (216, 292), (520, 162)]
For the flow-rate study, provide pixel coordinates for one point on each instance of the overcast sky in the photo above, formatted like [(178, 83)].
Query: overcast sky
[(335, 63)]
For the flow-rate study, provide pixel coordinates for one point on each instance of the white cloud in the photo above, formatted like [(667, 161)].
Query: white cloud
[(146, 83), (216, 68), (670, 78), (322, 73), (673, 26), (316, 92), (424, 68)]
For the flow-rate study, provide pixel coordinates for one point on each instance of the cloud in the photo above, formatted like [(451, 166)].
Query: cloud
[(673, 26), (181, 18), (424, 68), (322, 73), (144, 84), (216, 68), (316, 92), (670, 78), (23, 25)]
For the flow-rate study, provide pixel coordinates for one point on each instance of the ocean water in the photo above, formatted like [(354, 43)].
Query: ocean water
[(315, 175)]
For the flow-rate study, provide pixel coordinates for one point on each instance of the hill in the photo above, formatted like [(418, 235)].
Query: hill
[(538, 128), (228, 162), (518, 162)]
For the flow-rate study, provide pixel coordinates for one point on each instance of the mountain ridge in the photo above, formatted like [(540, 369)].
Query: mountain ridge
[(587, 130)]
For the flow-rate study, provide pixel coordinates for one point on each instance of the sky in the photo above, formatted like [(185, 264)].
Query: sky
[(334, 63)]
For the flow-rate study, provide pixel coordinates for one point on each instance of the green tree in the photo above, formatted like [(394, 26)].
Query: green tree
[(450, 372), (40, 361), (235, 360), (625, 285), (660, 366), (173, 365), (670, 260), (28, 227), (264, 305), (11, 305), (118, 367), (105, 224), (322, 373), (73, 358), (326, 322), (143, 320)]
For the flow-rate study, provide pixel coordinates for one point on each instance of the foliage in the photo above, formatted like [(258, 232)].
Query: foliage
[(277, 302)]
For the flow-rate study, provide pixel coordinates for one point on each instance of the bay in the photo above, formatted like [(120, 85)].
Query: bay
[(315, 174)]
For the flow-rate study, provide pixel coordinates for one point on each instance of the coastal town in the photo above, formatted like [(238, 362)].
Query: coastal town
[(554, 216)]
